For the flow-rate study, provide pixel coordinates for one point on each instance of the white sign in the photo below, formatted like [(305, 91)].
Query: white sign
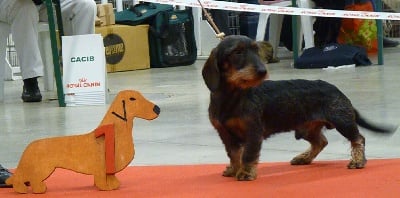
[(84, 69)]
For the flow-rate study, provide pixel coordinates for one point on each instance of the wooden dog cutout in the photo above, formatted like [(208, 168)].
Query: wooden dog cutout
[(102, 153)]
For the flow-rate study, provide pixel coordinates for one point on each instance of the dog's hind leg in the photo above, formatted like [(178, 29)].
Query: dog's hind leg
[(350, 131), (342, 116), (358, 159), (312, 133)]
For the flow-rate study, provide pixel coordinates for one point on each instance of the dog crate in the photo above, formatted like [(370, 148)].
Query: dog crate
[(391, 27), (234, 23)]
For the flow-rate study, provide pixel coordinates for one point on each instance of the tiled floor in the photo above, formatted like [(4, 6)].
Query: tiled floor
[(182, 134)]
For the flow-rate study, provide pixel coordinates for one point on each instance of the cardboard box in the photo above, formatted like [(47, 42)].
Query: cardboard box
[(98, 21), (106, 20), (126, 47), (110, 19), (105, 14), (104, 9)]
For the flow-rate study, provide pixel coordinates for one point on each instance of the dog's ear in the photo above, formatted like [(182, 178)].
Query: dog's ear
[(210, 71)]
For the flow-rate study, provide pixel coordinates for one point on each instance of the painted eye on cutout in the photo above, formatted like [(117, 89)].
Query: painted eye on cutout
[(132, 99)]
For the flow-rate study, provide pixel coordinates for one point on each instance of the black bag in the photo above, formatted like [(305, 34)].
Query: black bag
[(171, 32), (171, 39), (332, 55)]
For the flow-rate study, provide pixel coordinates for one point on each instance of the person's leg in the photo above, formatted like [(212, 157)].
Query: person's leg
[(221, 20), (248, 21), (24, 19), (78, 16)]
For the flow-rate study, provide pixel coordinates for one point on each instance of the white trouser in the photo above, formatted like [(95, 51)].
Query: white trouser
[(78, 16), (20, 18)]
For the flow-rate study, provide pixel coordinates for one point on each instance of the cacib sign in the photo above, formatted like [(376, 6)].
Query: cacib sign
[(82, 59)]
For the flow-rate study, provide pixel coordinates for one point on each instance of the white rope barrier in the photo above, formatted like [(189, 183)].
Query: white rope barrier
[(243, 7)]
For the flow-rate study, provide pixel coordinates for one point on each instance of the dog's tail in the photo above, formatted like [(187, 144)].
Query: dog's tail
[(374, 127)]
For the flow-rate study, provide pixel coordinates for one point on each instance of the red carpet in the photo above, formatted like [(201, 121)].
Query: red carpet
[(381, 178)]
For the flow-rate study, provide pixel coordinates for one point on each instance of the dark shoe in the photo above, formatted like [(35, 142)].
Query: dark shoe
[(31, 91), (389, 43), (4, 175)]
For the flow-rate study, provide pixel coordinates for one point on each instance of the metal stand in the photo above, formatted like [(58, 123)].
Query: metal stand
[(294, 34), (53, 37), (380, 33)]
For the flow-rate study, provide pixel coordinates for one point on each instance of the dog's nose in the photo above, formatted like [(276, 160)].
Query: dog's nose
[(262, 71), (156, 109)]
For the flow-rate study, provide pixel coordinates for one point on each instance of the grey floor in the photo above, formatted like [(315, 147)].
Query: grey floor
[(182, 134)]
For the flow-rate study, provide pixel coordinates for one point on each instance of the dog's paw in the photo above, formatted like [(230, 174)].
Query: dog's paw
[(247, 174), (357, 165), (229, 172), (358, 159), (300, 160)]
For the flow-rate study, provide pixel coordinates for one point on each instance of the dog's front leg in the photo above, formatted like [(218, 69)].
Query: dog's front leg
[(234, 152), (250, 157)]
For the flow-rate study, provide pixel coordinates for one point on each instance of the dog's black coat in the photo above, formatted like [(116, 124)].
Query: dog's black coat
[(245, 108), (288, 104)]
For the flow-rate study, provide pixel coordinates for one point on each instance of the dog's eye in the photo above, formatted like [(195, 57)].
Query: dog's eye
[(132, 99), (256, 48), (238, 52)]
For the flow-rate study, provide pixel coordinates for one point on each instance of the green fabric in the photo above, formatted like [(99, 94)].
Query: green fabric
[(140, 13)]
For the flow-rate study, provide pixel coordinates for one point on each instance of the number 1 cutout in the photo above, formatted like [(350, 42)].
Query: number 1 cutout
[(109, 143)]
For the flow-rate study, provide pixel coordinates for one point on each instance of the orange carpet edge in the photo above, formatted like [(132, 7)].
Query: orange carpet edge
[(380, 178)]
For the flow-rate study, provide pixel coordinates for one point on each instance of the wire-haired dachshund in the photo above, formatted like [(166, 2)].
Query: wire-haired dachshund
[(245, 109)]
